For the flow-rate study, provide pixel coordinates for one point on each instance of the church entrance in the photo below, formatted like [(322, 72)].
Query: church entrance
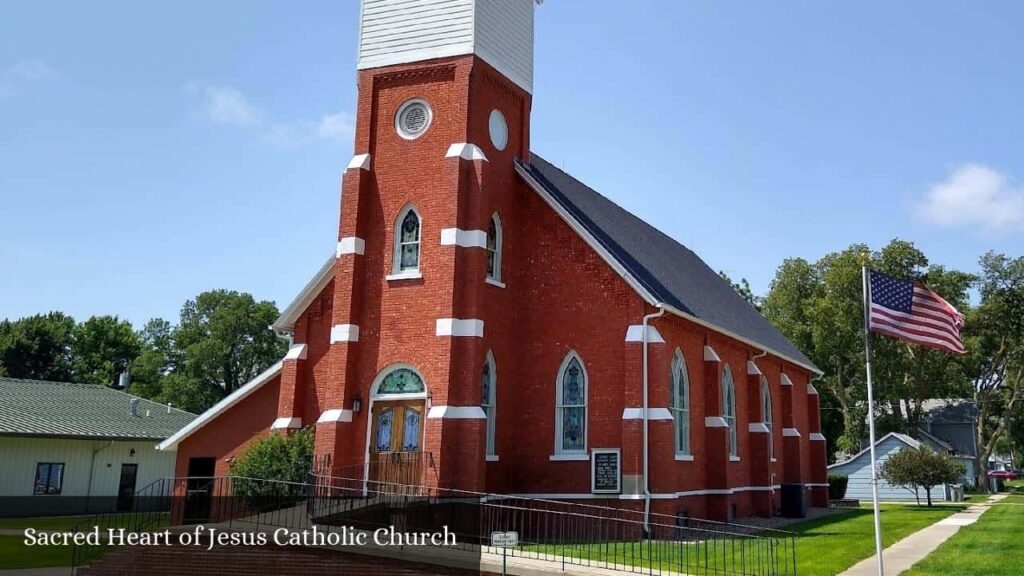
[(395, 458)]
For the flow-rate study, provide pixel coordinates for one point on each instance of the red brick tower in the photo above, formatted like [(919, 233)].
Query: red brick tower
[(443, 112)]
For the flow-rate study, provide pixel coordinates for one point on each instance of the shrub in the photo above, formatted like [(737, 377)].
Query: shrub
[(837, 484), (284, 458)]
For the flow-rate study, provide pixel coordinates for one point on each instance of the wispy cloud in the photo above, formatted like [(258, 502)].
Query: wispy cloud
[(974, 195), (229, 106), (23, 73)]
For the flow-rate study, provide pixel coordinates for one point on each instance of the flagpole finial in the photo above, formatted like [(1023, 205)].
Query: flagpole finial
[(864, 258)]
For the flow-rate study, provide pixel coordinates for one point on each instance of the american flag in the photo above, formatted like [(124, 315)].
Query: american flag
[(908, 310)]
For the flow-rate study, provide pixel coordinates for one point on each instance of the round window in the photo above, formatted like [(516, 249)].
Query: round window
[(499, 130), (413, 119)]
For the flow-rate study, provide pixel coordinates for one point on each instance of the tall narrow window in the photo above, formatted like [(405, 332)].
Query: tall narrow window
[(487, 399), (766, 406), (729, 409), (494, 249), (571, 412), (680, 404), (407, 241)]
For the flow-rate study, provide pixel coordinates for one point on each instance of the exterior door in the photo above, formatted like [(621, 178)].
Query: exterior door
[(126, 487), (396, 445), (199, 490)]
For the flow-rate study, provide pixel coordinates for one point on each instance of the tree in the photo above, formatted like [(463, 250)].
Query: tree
[(156, 360), (38, 347), (187, 393), (743, 289), (924, 468), (104, 346), (995, 334), (225, 339)]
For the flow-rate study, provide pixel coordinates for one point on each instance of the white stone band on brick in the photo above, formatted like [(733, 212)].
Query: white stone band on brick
[(710, 355), (296, 352), (791, 432), (652, 414), (752, 369), (758, 427), (785, 380), (635, 333), (285, 422), (351, 245), (460, 327), (360, 161), (457, 412), (811, 390), (463, 238), (344, 333), (715, 422), (817, 436), (335, 415), (465, 151)]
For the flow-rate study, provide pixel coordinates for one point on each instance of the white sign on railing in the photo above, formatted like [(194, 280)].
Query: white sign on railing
[(504, 539)]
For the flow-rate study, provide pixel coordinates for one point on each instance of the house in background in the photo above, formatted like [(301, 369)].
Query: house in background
[(950, 423), (76, 448)]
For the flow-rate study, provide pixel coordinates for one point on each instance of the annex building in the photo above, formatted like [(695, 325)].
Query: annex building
[(490, 323)]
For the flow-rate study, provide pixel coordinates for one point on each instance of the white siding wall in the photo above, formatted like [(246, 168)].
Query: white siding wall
[(19, 457), (402, 31), (859, 471)]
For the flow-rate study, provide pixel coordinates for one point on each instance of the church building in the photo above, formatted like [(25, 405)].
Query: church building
[(491, 323)]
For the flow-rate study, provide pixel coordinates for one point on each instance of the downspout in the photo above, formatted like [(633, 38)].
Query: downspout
[(647, 491)]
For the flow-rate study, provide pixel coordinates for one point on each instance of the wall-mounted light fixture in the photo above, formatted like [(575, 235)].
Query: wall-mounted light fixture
[(131, 454), (357, 404)]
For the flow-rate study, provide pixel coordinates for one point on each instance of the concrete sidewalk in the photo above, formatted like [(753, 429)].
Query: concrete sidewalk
[(902, 555)]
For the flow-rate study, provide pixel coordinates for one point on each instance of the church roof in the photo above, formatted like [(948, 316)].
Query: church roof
[(658, 267)]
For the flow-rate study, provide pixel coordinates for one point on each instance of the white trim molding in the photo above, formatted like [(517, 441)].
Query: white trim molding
[(715, 422), (710, 355), (351, 245), (492, 458), (456, 327), (568, 457), (635, 333), (296, 352), (785, 380), (466, 151), (494, 282), (344, 333), (752, 369), (817, 437), (734, 458), (464, 238), (286, 321), (684, 457), (457, 413), (811, 390), (652, 414), (285, 422), (335, 415), (406, 275), (360, 161), (791, 432), (758, 428)]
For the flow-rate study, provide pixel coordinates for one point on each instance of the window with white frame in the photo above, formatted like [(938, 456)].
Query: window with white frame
[(766, 406), (729, 409), (494, 249), (680, 404), (407, 241), (571, 407), (488, 380)]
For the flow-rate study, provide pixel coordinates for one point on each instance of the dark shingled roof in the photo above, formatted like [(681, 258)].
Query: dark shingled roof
[(65, 410), (671, 272)]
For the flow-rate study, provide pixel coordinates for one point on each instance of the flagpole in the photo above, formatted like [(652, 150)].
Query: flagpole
[(871, 413)]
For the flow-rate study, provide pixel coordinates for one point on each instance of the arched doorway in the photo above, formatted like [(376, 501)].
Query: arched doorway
[(394, 455)]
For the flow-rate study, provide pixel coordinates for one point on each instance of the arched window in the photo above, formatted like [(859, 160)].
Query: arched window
[(488, 396), (494, 249), (571, 407), (766, 407), (680, 404), (407, 241), (729, 409)]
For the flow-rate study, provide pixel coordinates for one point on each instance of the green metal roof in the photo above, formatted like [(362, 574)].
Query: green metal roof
[(66, 410)]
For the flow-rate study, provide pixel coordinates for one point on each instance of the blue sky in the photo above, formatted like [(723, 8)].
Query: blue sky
[(151, 151)]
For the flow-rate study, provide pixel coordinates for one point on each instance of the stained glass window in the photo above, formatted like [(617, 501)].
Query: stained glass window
[(766, 405), (494, 242), (729, 409), (487, 400), (401, 381), (411, 431), (572, 407), (680, 403), (409, 242), (384, 423)]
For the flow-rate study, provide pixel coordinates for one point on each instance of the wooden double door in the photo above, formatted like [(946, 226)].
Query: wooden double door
[(396, 445)]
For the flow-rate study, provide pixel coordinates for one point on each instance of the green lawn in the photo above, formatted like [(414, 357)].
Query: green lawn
[(992, 546), (15, 554)]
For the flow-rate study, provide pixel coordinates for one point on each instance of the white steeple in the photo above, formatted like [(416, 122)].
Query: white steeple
[(403, 31)]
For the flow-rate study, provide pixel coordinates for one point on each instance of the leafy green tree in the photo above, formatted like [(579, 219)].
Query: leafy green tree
[(38, 347), (104, 346), (224, 339), (156, 360), (187, 393), (278, 456), (743, 289), (920, 469)]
